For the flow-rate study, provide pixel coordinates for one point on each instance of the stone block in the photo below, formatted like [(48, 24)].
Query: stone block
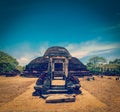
[(59, 98)]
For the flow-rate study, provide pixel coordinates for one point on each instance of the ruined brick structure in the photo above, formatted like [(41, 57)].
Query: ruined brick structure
[(62, 61)]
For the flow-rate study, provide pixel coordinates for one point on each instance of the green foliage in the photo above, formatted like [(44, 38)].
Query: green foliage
[(94, 62), (5, 58), (6, 67), (116, 61), (7, 63), (97, 65), (115, 65)]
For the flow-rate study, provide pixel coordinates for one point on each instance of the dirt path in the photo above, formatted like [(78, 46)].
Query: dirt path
[(28, 103)]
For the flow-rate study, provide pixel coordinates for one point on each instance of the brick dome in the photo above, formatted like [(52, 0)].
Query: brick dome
[(57, 51)]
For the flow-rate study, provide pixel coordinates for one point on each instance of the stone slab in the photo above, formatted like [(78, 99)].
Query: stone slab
[(59, 98)]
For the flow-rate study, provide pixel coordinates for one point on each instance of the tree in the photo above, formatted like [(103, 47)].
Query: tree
[(116, 61), (97, 60), (115, 65), (7, 63), (95, 63)]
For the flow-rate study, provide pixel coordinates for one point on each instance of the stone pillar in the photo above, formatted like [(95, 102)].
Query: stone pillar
[(66, 67), (53, 66), (51, 62), (66, 70)]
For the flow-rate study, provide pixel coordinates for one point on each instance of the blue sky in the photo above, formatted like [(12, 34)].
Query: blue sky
[(86, 28)]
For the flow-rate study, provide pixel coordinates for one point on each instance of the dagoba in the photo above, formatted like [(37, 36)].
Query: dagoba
[(61, 62)]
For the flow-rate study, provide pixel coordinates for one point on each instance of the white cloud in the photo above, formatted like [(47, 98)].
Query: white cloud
[(90, 48), (24, 53), (23, 60)]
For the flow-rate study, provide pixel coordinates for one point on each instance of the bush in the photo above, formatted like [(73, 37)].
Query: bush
[(88, 79)]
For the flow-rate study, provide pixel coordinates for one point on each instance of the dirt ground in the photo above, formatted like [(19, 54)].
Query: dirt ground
[(99, 95)]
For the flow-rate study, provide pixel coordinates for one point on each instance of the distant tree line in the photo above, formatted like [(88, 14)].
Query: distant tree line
[(98, 65)]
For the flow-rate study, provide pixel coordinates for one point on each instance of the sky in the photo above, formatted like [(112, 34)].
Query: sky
[(85, 27)]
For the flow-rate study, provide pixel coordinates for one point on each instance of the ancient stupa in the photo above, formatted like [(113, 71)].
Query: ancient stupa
[(61, 60)]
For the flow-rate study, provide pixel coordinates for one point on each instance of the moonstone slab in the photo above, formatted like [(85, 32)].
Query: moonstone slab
[(59, 98)]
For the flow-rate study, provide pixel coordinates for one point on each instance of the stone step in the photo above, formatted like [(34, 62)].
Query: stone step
[(59, 98), (57, 87), (58, 78), (57, 91)]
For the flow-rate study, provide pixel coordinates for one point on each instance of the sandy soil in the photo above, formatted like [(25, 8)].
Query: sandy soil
[(100, 95), (106, 89), (11, 87)]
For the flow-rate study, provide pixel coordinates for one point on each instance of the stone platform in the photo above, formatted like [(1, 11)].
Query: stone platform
[(60, 98)]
